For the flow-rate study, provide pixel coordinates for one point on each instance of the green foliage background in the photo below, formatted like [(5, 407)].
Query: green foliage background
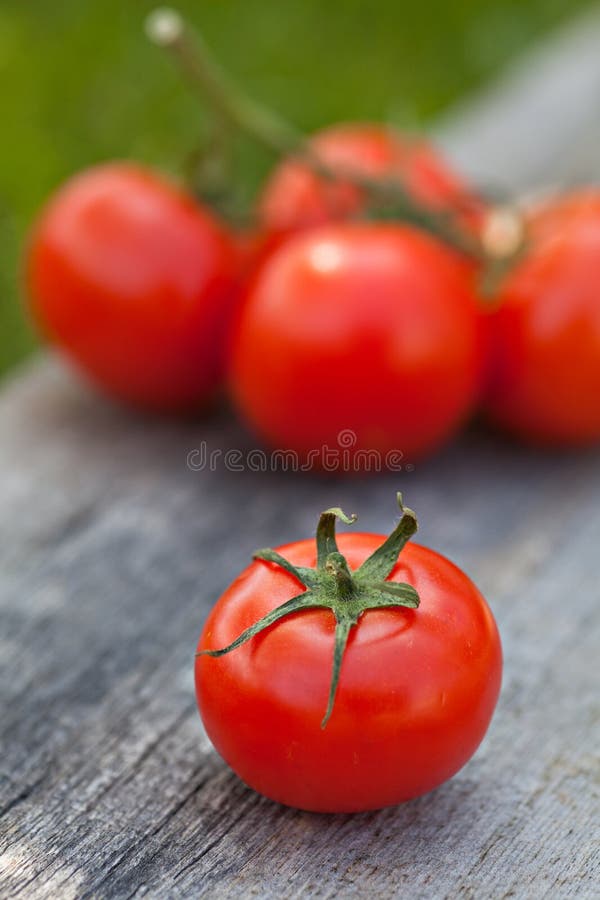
[(80, 84)]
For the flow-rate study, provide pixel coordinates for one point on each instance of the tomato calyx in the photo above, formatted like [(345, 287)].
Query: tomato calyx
[(332, 585)]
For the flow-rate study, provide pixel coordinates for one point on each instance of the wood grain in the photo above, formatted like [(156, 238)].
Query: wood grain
[(111, 552)]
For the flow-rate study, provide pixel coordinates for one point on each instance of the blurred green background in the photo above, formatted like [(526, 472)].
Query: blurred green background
[(80, 83)]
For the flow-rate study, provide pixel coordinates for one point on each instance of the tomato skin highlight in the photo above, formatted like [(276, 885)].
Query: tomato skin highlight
[(135, 282), (416, 693), (295, 197), (544, 384), (373, 328)]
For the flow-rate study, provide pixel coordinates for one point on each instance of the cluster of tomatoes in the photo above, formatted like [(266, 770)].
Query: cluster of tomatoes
[(353, 304), (322, 319)]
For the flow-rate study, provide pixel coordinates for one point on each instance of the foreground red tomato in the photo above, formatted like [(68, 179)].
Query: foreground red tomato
[(407, 695), (134, 281), (545, 335), (371, 329), (295, 197)]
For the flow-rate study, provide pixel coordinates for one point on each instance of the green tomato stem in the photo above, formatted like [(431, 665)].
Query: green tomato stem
[(386, 198)]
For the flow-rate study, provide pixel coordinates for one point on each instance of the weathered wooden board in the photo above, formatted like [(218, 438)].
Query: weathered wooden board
[(112, 550)]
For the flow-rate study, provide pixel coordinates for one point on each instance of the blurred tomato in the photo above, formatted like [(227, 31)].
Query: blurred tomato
[(545, 334), (372, 328), (135, 282), (295, 197)]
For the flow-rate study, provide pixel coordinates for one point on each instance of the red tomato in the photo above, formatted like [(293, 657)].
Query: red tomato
[(545, 334), (134, 282), (294, 197), (416, 691), (370, 328)]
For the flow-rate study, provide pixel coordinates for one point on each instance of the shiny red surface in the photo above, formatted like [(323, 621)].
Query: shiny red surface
[(545, 335), (372, 328)]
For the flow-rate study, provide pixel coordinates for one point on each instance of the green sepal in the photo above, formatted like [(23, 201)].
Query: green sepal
[(379, 565), (395, 593), (326, 542), (302, 601), (342, 633), (305, 576)]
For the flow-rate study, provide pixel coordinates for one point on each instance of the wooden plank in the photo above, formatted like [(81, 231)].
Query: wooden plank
[(111, 552)]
